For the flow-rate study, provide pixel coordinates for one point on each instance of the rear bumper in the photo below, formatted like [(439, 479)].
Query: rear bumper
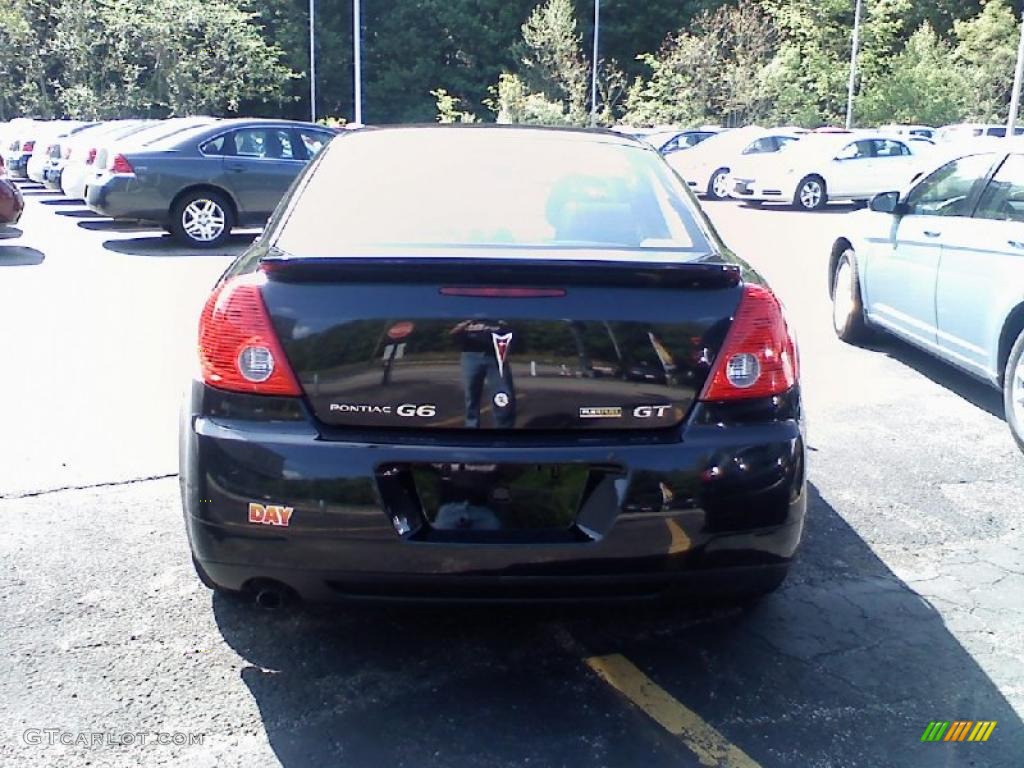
[(51, 178), (776, 190), (16, 166), (721, 508), (125, 197)]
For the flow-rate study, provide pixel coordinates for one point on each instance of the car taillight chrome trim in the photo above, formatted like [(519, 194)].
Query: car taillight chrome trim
[(238, 348), (759, 357)]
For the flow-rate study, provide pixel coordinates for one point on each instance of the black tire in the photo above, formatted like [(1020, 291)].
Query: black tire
[(1013, 391), (716, 185), (202, 219), (848, 320), (811, 194)]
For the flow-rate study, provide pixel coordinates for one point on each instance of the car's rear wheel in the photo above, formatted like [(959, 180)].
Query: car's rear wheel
[(811, 194), (1013, 391), (202, 219), (718, 186), (847, 308)]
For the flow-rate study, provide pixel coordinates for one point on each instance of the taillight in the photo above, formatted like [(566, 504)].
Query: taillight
[(91, 157), (759, 356), (28, 147), (67, 153), (238, 348), (121, 165)]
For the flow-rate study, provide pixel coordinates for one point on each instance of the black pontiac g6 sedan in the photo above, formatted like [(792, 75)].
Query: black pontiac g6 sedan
[(202, 182), (491, 363)]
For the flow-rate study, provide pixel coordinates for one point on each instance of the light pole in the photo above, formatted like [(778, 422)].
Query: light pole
[(853, 66), (1011, 121), (357, 52), (312, 61), (593, 73)]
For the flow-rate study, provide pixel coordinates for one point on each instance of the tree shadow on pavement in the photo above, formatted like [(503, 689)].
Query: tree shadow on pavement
[(844, 666), (166, 246), (20, 256), (61, 201)]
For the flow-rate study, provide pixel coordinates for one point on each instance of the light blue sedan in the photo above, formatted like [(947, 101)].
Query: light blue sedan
[(941, 265)]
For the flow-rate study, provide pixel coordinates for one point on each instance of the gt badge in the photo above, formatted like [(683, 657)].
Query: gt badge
[(502, 341), (270, 514)]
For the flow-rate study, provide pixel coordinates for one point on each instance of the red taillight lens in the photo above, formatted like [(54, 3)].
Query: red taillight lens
[(238, 348), (121, 165), (91, 157), (67, 153), (759, 356), (28, 147)]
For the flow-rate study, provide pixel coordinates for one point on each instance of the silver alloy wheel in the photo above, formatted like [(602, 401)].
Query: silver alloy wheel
[(811, 193), (203, 220), (843, 303), (720, 184), (1017, 392)]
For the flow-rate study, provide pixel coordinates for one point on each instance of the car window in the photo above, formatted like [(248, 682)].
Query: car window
[(947, 191), (437, 189), (856, 150), (764, 144), (263, 143), (890, 148), (784, 141), (214, 146), (314, 141), (1003, 198)]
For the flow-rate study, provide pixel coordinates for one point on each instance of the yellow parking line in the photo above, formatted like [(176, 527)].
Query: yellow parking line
[(710, 747)]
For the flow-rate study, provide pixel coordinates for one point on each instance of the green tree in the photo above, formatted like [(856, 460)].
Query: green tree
[(925, 85), (712, 72), (987, 48), (551, 58), (807, 78)]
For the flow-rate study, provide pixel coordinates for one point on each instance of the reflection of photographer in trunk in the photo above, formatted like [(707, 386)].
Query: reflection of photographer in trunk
[(485, 346)]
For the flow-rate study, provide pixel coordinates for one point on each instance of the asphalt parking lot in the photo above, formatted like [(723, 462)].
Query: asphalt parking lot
[(906, 607)]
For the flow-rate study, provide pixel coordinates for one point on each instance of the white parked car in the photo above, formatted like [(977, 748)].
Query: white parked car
[(962, 131), (107, 151), (47, 143), (822, 168), (908, 131), (940, 264), (80, 164), (707, 166)]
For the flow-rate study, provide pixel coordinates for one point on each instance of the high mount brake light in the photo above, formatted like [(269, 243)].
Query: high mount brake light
[(494, 292), (238, 348), (759, 357)]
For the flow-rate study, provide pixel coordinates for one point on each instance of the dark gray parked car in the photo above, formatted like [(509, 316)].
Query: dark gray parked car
[(202, 182)]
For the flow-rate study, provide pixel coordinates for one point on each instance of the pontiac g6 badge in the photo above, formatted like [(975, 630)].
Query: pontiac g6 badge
[(502, 341)]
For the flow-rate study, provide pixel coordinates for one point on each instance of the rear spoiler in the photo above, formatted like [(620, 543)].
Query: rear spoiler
[(499, 271)]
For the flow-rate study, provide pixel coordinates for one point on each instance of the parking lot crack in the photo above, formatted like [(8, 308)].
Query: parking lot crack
[(87, 487)]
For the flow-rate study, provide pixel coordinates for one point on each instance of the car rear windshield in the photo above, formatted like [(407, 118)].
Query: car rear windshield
[(489, 188)]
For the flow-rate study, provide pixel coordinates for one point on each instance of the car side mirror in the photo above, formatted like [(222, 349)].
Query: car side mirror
[(886, 202)]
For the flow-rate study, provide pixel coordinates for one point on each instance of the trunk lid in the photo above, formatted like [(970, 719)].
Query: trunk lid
[(447, 345)]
